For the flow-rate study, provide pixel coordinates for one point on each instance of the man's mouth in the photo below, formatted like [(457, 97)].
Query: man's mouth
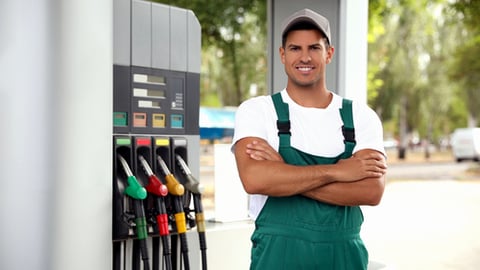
[(304, 68)]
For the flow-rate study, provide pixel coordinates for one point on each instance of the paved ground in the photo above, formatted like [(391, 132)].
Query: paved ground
[(431, 223), (428, 218)]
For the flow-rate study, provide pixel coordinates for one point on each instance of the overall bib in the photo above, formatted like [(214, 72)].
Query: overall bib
[(295, 232)]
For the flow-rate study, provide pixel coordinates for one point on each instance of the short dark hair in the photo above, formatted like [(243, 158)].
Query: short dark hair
[(304, 25)]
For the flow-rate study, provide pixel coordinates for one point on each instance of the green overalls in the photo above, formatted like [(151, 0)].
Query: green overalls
[(295, 232)]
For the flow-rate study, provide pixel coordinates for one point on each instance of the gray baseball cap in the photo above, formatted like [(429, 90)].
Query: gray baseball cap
[(307, 15)]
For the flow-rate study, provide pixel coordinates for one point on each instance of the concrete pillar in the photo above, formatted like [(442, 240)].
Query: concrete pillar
[(56, 118), (25, 167), (353, 51), (83, 135)]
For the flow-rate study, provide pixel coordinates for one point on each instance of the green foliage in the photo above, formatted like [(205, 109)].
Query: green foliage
[(466, 66), (423, 64), (422, 76), (469, 10), (376, 30), (234, 51)]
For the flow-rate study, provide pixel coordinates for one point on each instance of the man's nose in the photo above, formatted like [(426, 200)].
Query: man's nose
[(306, 56)]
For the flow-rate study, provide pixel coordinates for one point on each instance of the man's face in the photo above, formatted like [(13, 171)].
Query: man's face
[(305, 56)]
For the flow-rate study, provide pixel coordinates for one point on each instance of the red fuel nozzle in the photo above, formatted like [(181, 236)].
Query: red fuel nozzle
[(155, 186)]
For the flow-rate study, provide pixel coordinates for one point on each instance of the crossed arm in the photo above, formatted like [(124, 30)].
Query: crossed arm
[(358, 180)]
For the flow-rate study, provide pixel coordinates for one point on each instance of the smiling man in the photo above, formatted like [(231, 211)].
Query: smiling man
[(309, 158)]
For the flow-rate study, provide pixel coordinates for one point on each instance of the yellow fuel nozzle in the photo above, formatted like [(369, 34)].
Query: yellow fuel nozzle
[(174, 187)]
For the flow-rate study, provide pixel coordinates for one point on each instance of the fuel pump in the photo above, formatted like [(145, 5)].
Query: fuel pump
[(156, 92)]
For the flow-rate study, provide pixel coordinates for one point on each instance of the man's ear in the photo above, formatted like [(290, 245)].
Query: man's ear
[(330, 52), (281, 51)]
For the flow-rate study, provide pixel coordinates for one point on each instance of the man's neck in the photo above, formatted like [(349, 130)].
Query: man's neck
[(310, 97)]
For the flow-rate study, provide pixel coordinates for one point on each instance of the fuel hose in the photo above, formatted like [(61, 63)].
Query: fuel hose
[(177, 190), (159, 191), (196, 189), (137, 193)]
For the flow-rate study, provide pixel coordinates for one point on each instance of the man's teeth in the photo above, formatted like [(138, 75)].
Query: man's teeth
[(304, 68)]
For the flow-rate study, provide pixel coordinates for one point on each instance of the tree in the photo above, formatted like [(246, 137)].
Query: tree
[(233, 48), (466, 67), (376, 30), (407, 67)]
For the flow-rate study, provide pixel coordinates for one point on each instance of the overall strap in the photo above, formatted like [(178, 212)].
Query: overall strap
[(283, 120), (348, 129)]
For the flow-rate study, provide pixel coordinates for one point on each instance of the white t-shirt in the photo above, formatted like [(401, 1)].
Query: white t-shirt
[(314, 131)]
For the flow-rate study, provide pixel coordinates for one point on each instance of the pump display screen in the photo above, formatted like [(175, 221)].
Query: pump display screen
[(151, 79), (158, 100), (150, 93)]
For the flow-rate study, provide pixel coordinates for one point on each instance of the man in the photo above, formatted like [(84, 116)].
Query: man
[(310, 159)]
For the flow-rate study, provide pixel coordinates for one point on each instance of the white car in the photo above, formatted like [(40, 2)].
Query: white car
[(466, 144), (390, 144)]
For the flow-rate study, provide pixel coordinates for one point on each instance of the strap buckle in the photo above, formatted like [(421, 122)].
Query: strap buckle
[(348, 134), (283, 127)]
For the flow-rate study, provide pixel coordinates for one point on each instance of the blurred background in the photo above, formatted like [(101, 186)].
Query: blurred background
[(422, 64), (423, 82)]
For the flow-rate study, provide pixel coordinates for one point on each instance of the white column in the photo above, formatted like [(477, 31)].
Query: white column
[(25, 180), (352, 54), (82, 210), (55, 139)]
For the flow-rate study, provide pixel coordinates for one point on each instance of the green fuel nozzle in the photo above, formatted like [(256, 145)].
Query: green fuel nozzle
[(134, 189), (137, 193)]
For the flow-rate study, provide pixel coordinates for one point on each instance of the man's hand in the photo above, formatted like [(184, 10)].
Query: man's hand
[(261, 150), (360, 179), (362, 164), (367, 191), (263, 171), (367, 163)]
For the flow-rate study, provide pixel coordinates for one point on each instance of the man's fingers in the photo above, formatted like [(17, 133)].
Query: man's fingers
[(260, 150), (378, 166), (257, 155)]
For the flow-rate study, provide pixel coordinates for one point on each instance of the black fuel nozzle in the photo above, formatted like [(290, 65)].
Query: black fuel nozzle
[(191, 183)]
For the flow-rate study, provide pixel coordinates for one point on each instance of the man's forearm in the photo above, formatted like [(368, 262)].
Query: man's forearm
[(363, 192), (263, 171)]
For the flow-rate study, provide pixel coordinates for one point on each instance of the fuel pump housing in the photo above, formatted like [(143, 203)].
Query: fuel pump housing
[(156, 90)]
